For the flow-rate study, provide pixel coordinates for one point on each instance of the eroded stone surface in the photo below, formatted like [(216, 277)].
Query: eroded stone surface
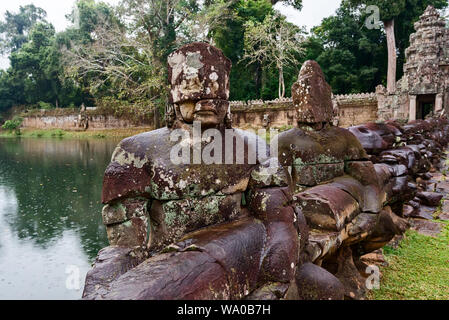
[(327, 207), (312, 95), (198, 72), (427, 228), (205, 240), (315, 283)]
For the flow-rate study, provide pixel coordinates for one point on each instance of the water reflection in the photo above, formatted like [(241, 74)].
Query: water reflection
[(50, 192)]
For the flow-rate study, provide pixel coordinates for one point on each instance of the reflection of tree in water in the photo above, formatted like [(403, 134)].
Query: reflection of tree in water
[(58, 187)]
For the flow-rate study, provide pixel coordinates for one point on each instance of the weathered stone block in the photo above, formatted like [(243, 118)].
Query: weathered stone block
[(131, 233), (315, 283), (371, 141), (123, 211), (360, 228), (270, 204), (198, 72), (430, 198), (237, 247), (370, 198), (312, 175), (326, 207), (110, 264), (330, 145), (323, 243), (363, 171), (405, 156), (190, 275)]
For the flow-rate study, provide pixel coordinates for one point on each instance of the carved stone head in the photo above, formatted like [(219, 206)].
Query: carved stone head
[(199, 78), (312, 95)]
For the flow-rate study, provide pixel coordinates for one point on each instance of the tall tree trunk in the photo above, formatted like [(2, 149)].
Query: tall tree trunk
[(391, 42), (156, 118), (281, 83), (259, 76)]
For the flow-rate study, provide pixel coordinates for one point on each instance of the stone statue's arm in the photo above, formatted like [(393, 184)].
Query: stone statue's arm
[(269, 199), (126, 199), (126, 222), (125, 216)]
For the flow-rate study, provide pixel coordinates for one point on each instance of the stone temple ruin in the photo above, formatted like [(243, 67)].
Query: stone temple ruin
[(424, 89), (294, 225)]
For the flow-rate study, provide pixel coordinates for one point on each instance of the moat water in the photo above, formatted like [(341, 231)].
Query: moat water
[(50, 215)]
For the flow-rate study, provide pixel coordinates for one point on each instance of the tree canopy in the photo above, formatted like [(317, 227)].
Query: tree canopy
[(16, 27), (115, 56)]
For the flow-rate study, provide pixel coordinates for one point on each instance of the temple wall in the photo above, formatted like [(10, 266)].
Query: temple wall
[(352, 110), (356, 109), (70, 120)]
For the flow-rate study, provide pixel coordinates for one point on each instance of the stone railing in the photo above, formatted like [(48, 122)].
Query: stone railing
[(356, 98), (295, 225), (346, 213)]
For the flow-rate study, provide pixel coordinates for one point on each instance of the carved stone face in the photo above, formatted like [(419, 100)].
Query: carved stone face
[(199, 78), (210, 112)]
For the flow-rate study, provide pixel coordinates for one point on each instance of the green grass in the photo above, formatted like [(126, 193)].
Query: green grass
[(418, 269), (57, 133)]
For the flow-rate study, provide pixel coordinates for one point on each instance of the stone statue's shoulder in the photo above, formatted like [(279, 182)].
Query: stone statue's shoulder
[(291, 136), (128, 173), (147, 144)]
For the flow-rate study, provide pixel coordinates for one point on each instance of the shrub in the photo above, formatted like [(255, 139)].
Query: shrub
[(57, 133), (13, 125), (45, 105)]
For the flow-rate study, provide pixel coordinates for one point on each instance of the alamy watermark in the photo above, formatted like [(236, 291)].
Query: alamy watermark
[(73, 280), (373, 280), (210, 147), (373, 20)]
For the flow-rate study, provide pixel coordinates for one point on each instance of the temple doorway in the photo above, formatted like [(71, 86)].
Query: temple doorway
[(425, 105)]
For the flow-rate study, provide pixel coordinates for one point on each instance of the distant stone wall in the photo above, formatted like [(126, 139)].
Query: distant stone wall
[(257, 114), (355, 109), (50, 119), (349, 110)]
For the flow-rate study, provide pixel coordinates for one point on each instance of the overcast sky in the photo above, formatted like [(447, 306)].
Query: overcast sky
[(311, 15)]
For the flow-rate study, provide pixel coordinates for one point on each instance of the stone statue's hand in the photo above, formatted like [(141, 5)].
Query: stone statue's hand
[(127, 222), (110, 264)]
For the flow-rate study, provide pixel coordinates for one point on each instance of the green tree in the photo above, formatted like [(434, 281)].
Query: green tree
[(160, 21), (274, 42), (389, 10), (77, 40), (225, 25), (353, 58), (297, 4), (16, 27), (115, 63), (86, 16), (7, 97), (35, 66)]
